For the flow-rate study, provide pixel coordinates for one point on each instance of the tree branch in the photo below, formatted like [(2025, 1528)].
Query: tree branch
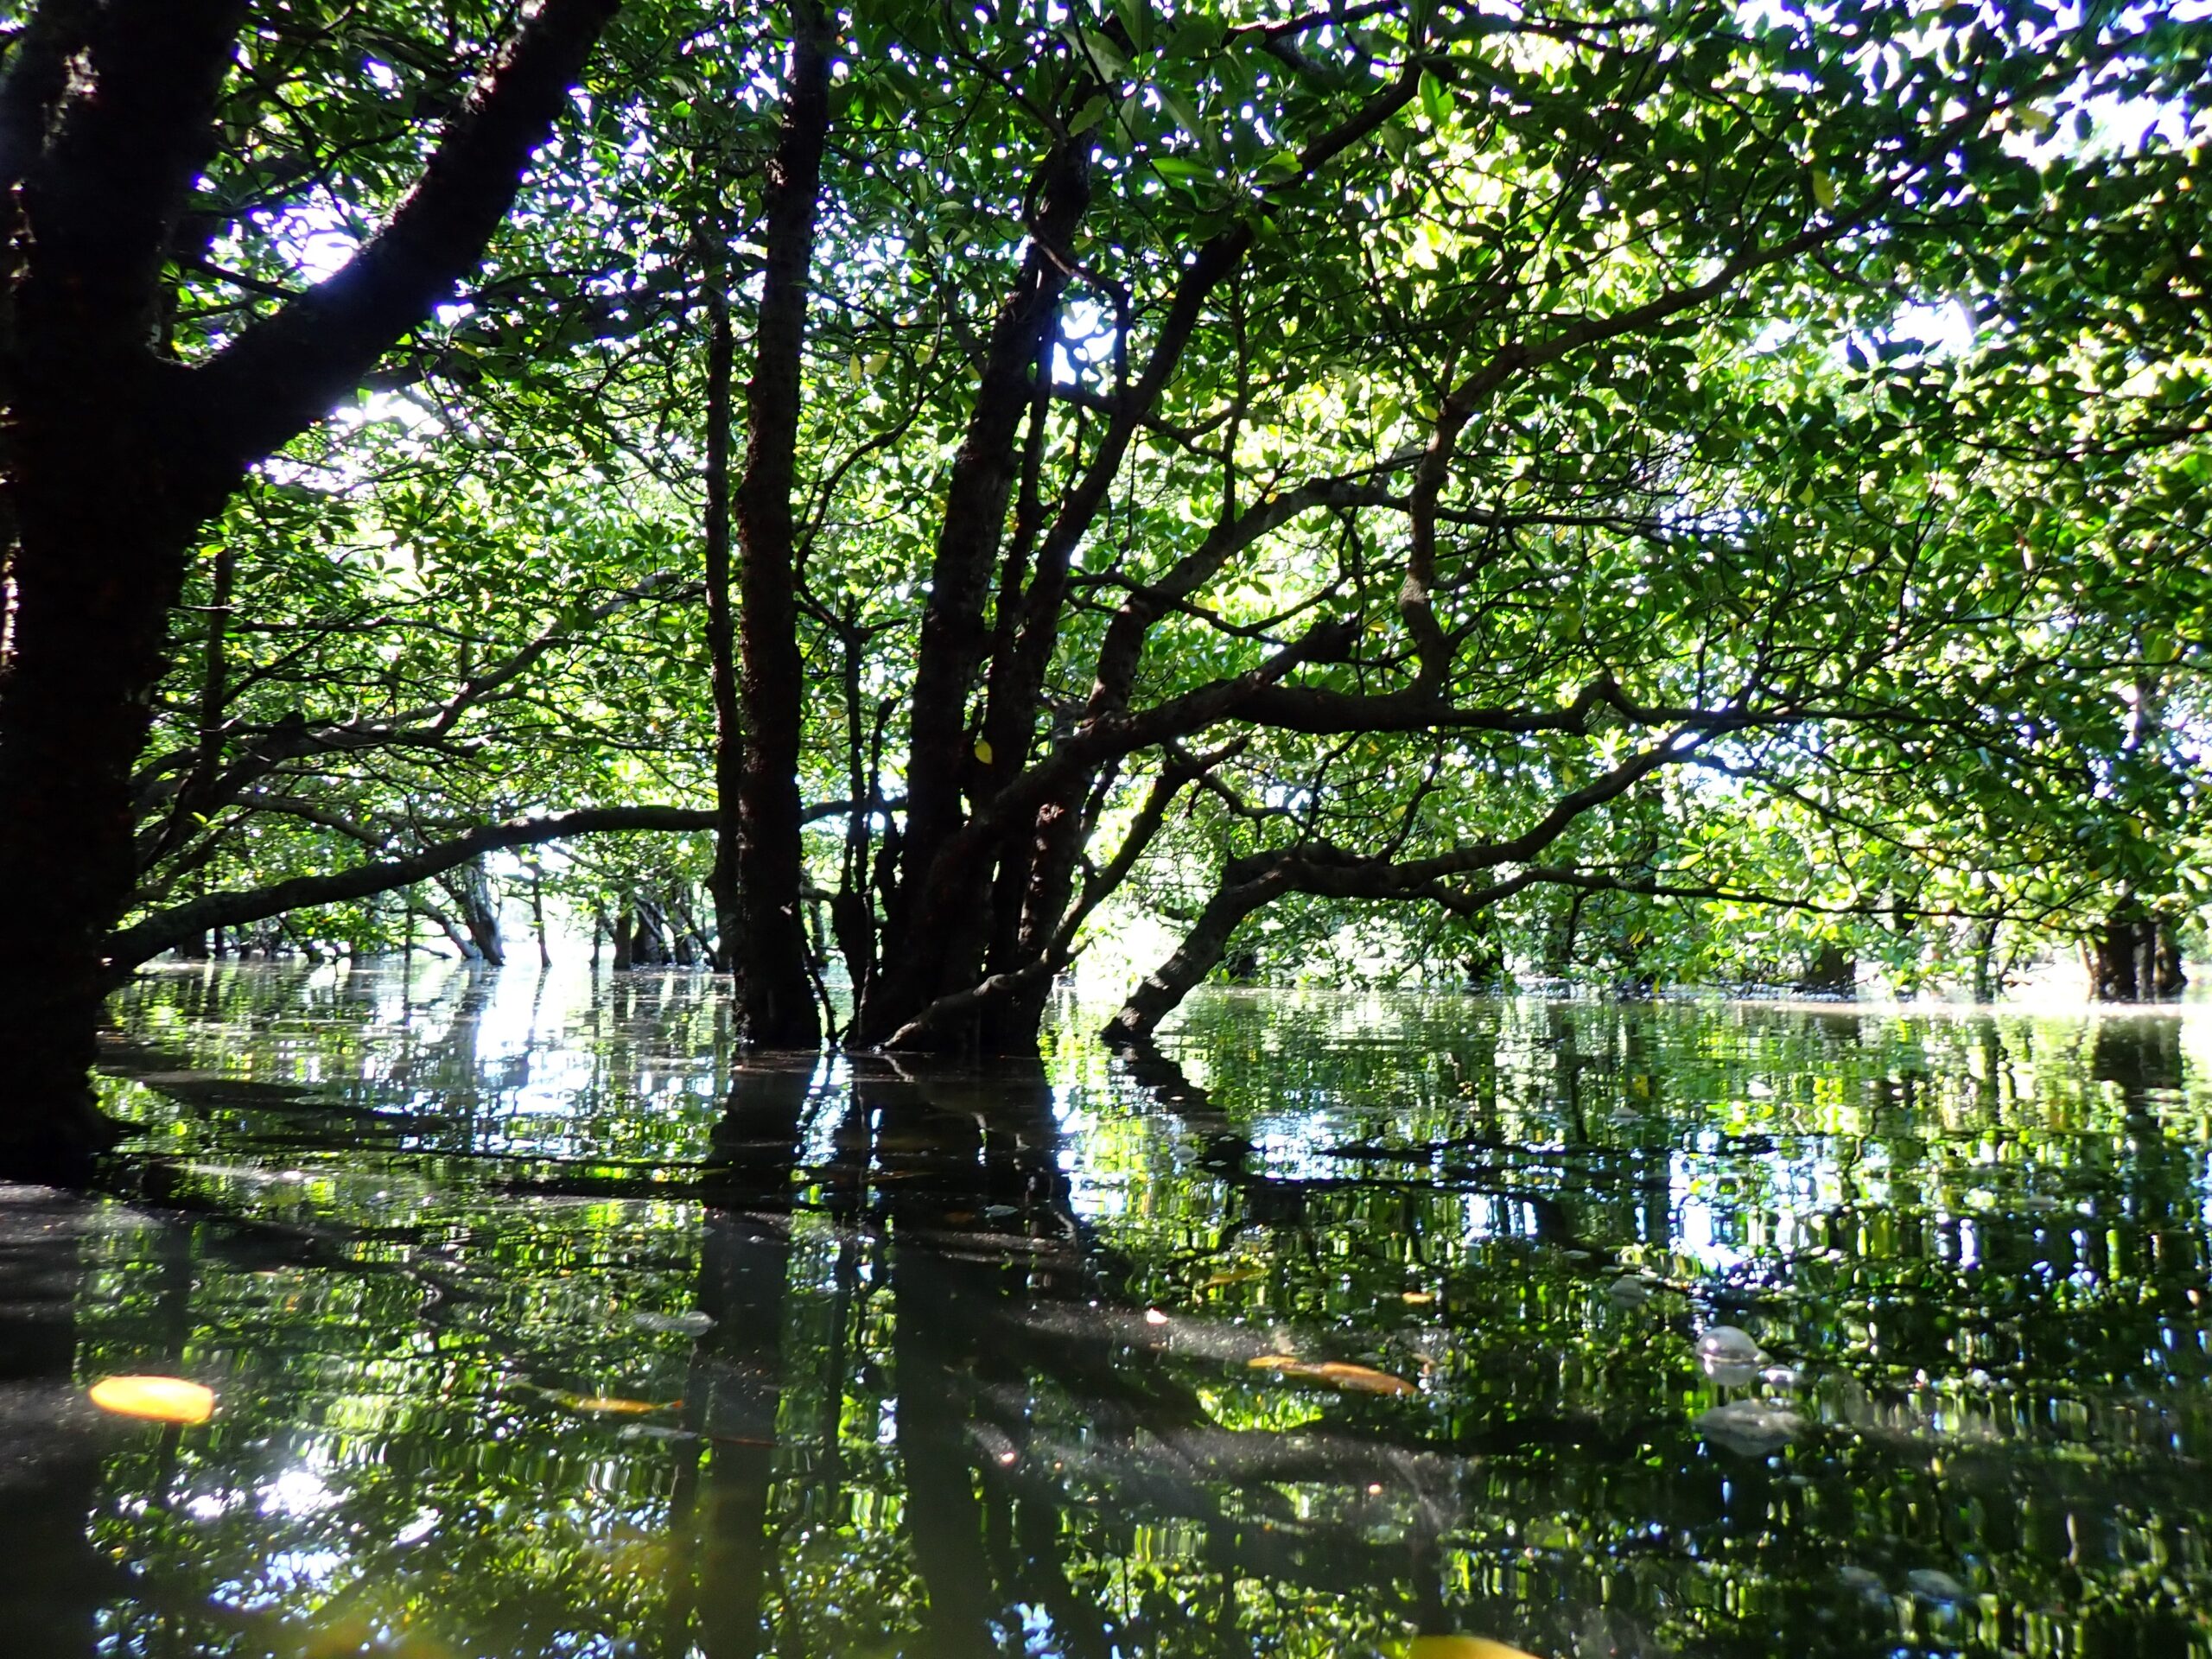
[(286, 372)]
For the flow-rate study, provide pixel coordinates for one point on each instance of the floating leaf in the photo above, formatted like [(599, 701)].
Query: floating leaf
[(160, 1399), (1462, 1647), (1236, 1276), (1416, 1298), (614, 1404), (983, 751), (1337, 1374)]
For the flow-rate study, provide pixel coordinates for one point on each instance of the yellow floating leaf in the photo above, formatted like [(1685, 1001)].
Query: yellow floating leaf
[(1462, 1647), (1360, 1379), (1235, 1276), (615, 1403), (1416, 1298), (984, 750), (161, 1399)]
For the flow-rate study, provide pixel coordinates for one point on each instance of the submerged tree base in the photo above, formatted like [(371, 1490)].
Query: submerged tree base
[(57, 1136)]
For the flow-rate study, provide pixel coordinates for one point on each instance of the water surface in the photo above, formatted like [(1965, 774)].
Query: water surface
[(538, 1324)]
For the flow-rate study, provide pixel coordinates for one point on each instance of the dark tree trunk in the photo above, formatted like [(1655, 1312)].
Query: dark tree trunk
[(1832, 972), (1988, 976), (776, 1006), (115, 456), (2136, 958), (93, 591), (933, 937)]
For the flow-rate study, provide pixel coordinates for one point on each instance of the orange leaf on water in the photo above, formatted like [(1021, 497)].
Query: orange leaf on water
[(1365, 1378), (610, 1402), (158, 1399), (1361, 1379), (1462, 1647)]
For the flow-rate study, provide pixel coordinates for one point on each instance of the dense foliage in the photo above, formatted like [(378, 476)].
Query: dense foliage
[(1662, 492)]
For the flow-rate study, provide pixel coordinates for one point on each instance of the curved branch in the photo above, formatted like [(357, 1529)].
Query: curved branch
[(286, 371), (165, 929)]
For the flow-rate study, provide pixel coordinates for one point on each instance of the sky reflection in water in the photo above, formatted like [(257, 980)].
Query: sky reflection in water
[(532, 1335)]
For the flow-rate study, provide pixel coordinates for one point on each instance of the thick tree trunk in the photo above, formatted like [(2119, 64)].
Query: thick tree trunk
[(115, 456), (776, 1006), (94, 589), (933, 937), (2136, 958)]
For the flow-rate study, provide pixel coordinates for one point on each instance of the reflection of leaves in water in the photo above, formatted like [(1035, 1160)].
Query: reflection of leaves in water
[(1751, 1427), (1975, 1255)]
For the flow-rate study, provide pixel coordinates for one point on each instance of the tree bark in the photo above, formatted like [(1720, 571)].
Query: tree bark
[(942, 765), (2137, 957), (721, 633), (776, 1006)]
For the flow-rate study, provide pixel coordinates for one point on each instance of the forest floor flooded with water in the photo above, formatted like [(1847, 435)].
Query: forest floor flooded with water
[(538, 1321)]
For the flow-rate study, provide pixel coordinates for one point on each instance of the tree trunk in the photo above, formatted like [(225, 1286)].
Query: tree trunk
[(2137, 957), (1833, 971), (537, 915), (116, 456), (1247, 889), (93, 585), (480, 914), (776, 1007), (932, 907), (1989, 978)]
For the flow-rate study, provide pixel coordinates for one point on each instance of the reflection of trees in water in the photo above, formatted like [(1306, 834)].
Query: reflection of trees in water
[(52, 1584), (936, 1408)]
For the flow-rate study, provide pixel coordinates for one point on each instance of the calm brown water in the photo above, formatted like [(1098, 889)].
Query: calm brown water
[(531, 1333)]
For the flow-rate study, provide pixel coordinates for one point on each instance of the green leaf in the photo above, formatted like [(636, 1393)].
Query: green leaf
[(1435, 98)]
